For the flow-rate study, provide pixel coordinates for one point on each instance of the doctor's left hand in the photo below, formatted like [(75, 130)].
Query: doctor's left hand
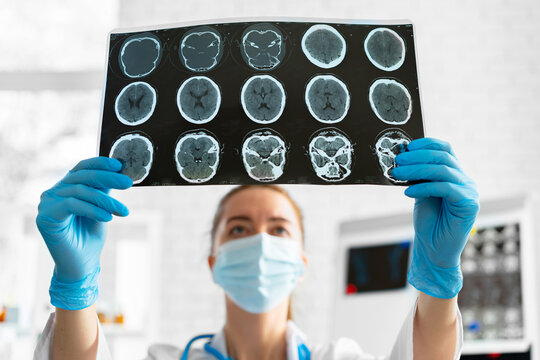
[(445, 209)]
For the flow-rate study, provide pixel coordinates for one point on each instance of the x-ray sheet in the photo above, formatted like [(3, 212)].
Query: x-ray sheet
[(249, 102)]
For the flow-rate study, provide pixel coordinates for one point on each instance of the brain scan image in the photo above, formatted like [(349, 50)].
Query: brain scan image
[(135, 103), (136, 152), (140, 55), (197, 156), (324, 46), (385, 49), (263, 154), (387, 146), (327, 98), (263, 98), (331, 152), (390, 101), (201, 49), (198, 99), (263, 46)]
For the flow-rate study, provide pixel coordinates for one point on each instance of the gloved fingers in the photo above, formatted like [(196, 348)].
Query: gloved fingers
[(452, 192), (427, 157), (105, 190), (99, 163), (65, 207), (429, 172), (99, 179), (95, 197), (430, 144), (83, 208)]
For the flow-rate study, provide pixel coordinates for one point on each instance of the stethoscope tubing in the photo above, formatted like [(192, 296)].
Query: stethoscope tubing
[(303, 351)]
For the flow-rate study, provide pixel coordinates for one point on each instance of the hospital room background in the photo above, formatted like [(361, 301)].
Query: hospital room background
[(479, 75)]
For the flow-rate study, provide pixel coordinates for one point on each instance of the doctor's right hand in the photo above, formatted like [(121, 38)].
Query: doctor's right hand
[(71, 218)]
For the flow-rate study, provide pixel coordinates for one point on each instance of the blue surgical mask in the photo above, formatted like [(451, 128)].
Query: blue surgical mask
[(258, 272)]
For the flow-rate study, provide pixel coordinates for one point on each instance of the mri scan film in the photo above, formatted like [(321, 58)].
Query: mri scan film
[(387, 146), (198, 99), (324, 46), (140, 55), (263, 46), (263, 99), (390, 101), (331, 154), (263, 154), (197, 156), (247, 101), (135, 103), (136, 152), (201, 49), (385, 49), (327, 98)]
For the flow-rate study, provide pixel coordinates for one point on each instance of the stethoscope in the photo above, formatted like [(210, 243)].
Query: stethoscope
[(303, 351)]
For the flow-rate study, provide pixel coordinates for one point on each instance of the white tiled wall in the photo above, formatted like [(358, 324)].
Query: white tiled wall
[(480, 83)]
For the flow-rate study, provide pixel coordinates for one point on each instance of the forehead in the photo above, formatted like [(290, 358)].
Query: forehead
[(259, 203)]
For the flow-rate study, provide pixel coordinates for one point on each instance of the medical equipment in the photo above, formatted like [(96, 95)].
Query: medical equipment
[(498, 302), (376, 268), (303, 351)]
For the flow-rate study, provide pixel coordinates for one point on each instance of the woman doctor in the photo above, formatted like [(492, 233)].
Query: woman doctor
[(257, 258)]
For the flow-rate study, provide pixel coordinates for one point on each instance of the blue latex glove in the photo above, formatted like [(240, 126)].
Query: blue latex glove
[(71, 218), (445, 210)]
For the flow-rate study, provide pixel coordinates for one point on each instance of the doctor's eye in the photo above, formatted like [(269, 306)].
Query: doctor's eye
[(234, 231), (281, 230)]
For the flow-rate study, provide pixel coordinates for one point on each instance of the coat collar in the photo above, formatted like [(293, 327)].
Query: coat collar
[(294, 337)]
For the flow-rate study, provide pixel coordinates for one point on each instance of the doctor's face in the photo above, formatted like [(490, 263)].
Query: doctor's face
[(256, 210)]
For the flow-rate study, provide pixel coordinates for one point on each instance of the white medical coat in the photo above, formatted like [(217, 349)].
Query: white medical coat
[(340, 349)]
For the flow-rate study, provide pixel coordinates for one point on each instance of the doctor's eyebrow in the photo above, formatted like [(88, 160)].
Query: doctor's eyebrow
[(279, 219), (246, 218)]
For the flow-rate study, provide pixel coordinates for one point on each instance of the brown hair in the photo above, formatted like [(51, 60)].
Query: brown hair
[(227, 196)]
